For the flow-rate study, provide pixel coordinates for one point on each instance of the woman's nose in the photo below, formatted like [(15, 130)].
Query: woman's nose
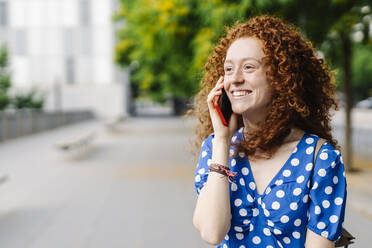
[(237, 77)]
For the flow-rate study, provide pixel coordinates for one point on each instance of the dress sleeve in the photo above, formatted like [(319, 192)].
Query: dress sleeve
[(201, 172), (327, 194)]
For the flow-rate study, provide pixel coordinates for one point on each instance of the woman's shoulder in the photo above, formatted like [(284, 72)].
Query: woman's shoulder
[(325, 146), (324, 149), (328, 157)]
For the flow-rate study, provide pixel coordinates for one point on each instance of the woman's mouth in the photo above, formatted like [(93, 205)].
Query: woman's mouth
[(240, 93)]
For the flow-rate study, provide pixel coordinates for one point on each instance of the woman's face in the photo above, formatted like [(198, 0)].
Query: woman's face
[(245, 78)]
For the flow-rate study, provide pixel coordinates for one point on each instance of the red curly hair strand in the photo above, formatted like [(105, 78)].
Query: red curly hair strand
[(302, 84)]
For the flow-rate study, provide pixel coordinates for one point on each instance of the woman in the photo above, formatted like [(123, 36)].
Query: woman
[(281, 94)]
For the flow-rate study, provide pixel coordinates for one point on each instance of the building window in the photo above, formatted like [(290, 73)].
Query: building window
[(3, 13), (85, 41), (69, 42), (70, 70), (20, 44), (85, 12)]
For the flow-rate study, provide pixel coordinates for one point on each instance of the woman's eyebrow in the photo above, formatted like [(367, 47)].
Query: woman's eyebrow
[(243, 59)]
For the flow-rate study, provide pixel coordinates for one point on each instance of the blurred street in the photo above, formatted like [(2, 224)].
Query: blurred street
[(132, 187)]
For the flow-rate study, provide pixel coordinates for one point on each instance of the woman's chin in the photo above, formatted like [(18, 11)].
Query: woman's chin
[(239, 110)]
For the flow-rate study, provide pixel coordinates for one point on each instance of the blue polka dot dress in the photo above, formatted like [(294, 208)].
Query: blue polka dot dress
[(291, 203)]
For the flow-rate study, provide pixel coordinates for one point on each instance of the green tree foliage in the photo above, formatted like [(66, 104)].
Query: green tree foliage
[(29, 100), (5, 81), (356, 21), (157, 37), (362, 70), (167, 42)]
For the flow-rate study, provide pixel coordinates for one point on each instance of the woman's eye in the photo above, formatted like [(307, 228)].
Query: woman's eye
[(228, 69), (248, 67)]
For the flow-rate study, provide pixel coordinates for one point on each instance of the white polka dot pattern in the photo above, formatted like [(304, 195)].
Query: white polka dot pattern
[(266, 231), (286, 173), (234, 187), (333, 219), (241, 181), (309, 167), (295, 162), (324, 234), (275, 205), (325, 204), (250, 198), (238, 202), (286, 240), (296, 235), (252, 185), (293, 206), (297, 191), (300, 196), (297, 222), (284, 219), (239, 236), (317, 210), (280, 194), (204, 153), (322, 172), (256, 240), (243, 212), (300, 179), (233, 162), (320, 225), (309, 150)]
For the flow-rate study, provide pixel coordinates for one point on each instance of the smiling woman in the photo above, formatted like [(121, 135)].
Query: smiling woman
[(257, 182), (244, 64)]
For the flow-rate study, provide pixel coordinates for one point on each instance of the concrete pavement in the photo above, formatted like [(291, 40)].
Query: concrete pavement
[(133, 187)]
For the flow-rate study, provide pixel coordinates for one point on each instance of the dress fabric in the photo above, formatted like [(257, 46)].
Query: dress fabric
[(291, 202)]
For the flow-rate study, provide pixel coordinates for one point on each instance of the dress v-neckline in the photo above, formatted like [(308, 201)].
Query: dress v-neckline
[(280, 172)]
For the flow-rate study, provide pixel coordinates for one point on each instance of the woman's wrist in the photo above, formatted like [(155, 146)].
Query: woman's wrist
[(220, 150), (221, 140)]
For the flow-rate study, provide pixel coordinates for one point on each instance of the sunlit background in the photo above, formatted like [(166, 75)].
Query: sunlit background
[(94, 151)]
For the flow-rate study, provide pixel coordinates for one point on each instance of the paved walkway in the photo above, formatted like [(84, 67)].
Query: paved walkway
[(131, 188)]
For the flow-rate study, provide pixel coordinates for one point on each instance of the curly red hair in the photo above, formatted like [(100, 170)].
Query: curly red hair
[(303, 89)]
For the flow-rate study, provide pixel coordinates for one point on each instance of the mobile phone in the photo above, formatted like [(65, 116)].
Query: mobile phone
[(223, 106)]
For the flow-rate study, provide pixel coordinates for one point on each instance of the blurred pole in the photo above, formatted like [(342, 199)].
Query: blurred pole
[(127, 91), (346, 43), (57, 95)]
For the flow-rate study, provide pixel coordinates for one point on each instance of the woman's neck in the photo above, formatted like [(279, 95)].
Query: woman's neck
[(251, 121), (294, 135)]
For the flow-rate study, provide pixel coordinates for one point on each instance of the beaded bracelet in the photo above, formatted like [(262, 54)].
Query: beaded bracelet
[(223, 170)]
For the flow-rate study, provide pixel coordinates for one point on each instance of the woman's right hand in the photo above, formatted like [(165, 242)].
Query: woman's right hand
[(220, 130)]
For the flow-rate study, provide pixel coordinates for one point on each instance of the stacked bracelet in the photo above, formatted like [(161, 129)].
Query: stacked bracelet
[(223, 171)]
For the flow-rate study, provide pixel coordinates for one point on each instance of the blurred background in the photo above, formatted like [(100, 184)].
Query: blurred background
[(94, 147)]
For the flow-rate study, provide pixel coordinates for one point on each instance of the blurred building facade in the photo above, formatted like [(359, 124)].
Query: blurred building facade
[(65, 48)]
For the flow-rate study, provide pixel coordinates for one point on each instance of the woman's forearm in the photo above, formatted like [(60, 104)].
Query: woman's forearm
[(212, 215), (314, 240)]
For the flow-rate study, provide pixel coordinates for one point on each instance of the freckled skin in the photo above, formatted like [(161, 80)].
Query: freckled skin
[(244, 70)]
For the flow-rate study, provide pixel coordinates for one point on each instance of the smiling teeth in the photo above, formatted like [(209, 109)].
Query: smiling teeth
[(240, 93)]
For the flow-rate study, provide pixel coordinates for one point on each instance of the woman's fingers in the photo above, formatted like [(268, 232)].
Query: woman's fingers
[(217, 90)]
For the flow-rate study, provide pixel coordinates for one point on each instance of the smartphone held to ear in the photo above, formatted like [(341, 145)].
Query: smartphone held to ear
[(223, 106)]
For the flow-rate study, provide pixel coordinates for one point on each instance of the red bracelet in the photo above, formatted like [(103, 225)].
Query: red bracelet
[(223, 170)]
